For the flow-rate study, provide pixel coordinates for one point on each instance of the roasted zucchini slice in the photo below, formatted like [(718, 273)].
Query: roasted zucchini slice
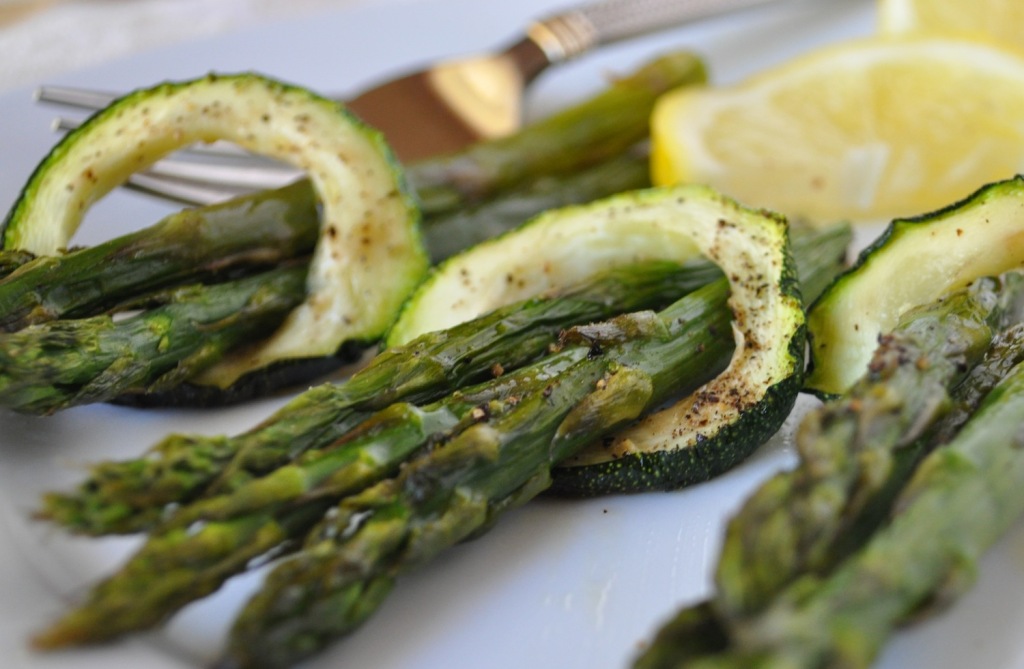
[(369, 254), (915, 261), (724, 420)]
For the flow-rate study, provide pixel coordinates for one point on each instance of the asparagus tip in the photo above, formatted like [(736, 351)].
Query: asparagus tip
[(64, 633)]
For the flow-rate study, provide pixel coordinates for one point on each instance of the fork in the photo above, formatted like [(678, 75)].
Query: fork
[(429, 112)]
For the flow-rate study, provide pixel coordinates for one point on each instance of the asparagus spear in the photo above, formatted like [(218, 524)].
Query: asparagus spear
[(60, 364), (709, 628), (961, 499), (459, 489), (645, 357), (259, 230), (185, 560), (354, 459), (790, 526), (588, 133), (127, 496), (450, 232)]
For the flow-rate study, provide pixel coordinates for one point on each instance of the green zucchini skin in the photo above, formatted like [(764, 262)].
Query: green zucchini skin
[(666, 470)]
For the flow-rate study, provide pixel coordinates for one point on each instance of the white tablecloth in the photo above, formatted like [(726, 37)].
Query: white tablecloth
[(42, 38)]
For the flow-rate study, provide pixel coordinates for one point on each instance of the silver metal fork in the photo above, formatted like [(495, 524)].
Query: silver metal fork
[(438, 104)]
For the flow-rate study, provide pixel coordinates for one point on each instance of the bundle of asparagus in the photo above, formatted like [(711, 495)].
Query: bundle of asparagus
[(131, 495), (903, 482), (365, 480), (576, 155)]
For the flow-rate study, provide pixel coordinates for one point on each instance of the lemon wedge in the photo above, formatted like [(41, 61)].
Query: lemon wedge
[(999, 20), (866, 130)]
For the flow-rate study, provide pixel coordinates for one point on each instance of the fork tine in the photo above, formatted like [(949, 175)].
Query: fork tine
[(79, 98), (64, 124)]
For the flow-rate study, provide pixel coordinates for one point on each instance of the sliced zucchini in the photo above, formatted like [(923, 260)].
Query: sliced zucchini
[(369, 254), (724, 420), (915, 261)]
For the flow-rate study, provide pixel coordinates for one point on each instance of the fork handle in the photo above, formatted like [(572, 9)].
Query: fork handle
[(570, 33)]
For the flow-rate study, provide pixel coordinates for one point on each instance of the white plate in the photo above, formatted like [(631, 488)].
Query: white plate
[(560, 584)]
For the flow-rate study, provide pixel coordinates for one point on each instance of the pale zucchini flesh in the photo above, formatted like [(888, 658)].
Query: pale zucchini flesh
[(915, 261), (558, 248), (369, 255), (741, 407)]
